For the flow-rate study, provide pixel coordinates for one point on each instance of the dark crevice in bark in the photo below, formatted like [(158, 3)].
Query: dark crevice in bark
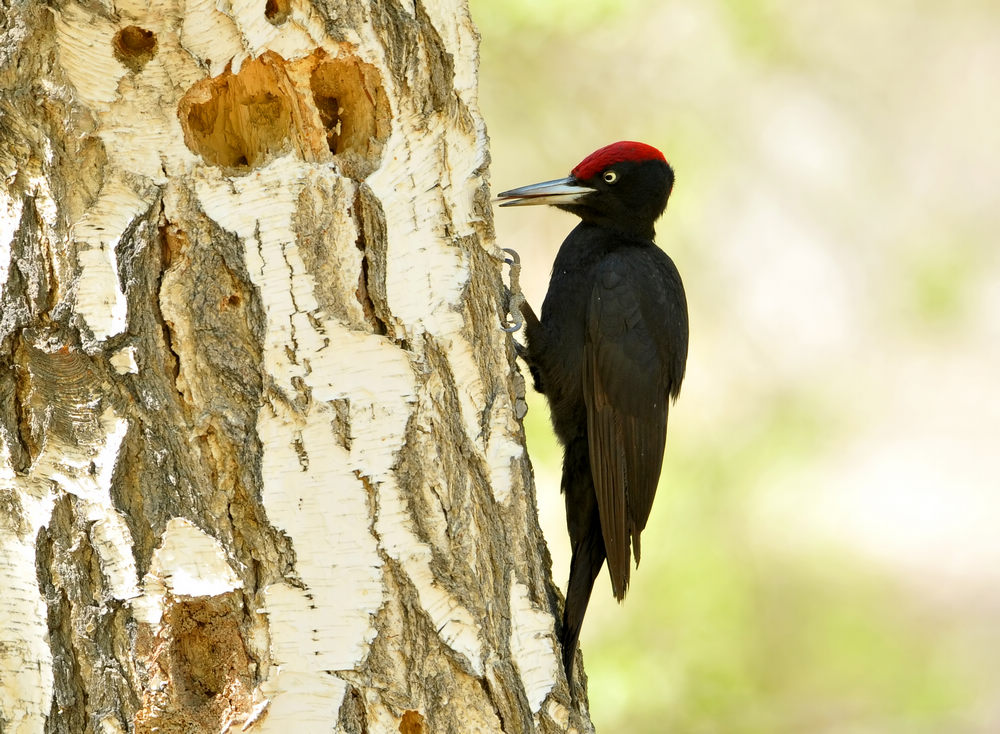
[(69, 700), (170, 241), (416, 55), (353, 716), (378, 326), (88, 627), (25, 450), (372, 242), (489, 695), (17, 309)]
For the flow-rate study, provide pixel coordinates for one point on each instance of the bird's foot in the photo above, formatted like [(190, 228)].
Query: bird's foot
[(513, 297)]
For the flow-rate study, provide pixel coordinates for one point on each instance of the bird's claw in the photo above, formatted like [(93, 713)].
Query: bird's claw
[(514, 327), (514, 297)]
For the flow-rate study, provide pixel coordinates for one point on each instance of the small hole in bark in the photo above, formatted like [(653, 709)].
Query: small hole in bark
[(277, 11), (412, 723), (134, 46)]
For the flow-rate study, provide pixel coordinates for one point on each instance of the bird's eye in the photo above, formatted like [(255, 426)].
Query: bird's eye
[(610, 177)]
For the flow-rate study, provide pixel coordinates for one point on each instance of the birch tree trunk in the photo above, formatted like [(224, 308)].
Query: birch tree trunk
[(260, 457)]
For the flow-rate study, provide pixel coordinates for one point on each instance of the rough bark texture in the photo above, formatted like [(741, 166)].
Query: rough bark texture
[(260, 463)]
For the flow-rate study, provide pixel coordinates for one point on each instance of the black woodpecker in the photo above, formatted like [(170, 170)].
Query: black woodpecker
[(608, 354)]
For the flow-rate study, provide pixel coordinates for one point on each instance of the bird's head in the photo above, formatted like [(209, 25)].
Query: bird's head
[(623, 186)]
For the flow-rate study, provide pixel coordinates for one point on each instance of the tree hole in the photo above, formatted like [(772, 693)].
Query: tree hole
[(240, 120), (134, 46), (277, 11), (201, 677), (353, 111), (412, 722)]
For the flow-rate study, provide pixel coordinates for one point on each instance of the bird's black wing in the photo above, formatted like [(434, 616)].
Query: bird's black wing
[(625, 387)]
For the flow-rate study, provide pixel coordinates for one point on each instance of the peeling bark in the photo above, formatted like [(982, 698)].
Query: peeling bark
[(260, 463)]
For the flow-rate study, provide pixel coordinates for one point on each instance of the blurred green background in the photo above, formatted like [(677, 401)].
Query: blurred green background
[(824, 551)]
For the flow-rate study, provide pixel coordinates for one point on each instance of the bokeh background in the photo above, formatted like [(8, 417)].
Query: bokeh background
[(824, 551)]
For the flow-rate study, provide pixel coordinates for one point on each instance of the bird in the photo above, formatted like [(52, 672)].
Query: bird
[(609, 354)]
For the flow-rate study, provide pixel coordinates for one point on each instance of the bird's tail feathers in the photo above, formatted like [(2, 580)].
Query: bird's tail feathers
[(588, 557)]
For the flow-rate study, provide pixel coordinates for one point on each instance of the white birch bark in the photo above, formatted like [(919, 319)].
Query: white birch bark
[(260, 463)]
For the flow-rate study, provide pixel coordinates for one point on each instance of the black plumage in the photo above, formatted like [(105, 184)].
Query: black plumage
[(608, 353)]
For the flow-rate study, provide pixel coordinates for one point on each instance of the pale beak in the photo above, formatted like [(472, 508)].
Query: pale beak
[(559, 192)]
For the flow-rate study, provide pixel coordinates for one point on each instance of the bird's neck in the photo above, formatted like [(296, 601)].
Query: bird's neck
[(589, 243), (614, 235), (632, 225), (633, 231)]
